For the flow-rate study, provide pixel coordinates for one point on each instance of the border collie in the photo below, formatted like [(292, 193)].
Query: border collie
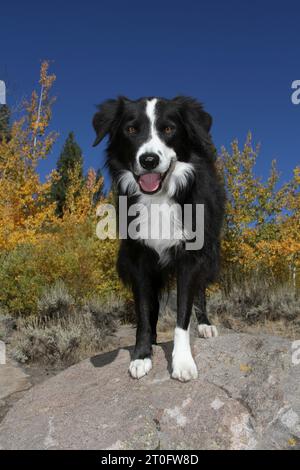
[(160, 152)]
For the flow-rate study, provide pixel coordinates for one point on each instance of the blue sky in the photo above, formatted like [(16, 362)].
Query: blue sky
[(238, 57)]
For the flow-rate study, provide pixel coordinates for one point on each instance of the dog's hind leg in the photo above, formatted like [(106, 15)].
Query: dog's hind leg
[(205, 329)]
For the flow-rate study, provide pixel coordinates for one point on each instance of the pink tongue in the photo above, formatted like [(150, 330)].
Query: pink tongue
[(149, 182)]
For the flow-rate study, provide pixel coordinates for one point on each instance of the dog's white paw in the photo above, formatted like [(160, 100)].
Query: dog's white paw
[(184, 369), (140, 367), (207, 331)]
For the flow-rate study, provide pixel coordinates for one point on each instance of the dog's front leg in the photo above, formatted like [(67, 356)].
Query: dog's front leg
[(183, 364), (147, 306)]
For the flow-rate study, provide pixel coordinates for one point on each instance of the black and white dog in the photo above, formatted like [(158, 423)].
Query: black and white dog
[(160, 152)]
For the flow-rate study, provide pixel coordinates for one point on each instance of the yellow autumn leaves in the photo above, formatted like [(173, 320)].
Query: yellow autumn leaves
[(262, 227)]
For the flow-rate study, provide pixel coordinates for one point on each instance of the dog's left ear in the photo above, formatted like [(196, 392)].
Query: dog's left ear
[(196, 121), (104, 119)]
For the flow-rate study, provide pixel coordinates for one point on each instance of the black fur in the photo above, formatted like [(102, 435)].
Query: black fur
[(138, 265)]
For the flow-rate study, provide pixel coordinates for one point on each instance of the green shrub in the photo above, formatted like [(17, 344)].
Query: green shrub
[(84, 263), (21, 282)]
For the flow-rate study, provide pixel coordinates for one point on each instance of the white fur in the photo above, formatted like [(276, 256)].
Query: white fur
[(159, 217), (207, 331), (160, 214), (127, 183), (154, 144), (183, 364), (169, 213), (140, 367), (179, 177)]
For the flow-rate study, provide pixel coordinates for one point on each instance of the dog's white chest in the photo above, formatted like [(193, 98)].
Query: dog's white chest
[(160, 224)]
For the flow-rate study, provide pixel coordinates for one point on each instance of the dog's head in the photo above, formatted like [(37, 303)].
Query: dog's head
[(151, 141)]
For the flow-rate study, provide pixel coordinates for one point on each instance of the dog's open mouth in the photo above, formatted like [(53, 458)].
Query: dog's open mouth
[(151, 182)]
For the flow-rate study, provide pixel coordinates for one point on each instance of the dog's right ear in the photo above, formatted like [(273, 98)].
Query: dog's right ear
[(104, 119)]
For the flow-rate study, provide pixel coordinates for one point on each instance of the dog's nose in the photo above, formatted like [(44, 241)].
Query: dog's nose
[(149, 161)]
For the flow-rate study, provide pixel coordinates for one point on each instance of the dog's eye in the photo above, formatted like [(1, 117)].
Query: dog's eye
[(168, 130), (131, 130)]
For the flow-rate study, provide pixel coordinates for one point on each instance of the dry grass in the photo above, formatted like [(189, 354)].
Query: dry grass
[(256, 306), (252, 305), (60, 342), (63, 333)]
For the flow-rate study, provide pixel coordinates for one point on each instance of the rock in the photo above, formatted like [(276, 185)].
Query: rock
[(247, 396), (12, 379)]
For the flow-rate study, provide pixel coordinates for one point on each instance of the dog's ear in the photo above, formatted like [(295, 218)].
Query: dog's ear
[(196, 121), (104, 119)]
